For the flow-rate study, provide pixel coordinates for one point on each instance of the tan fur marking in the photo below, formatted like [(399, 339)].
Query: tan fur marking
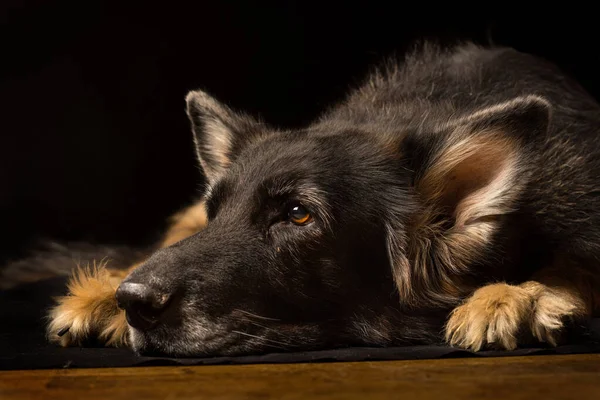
[(90, 308), (469, 175), (580, 282), (551, 306), (500, 315), (186, 223), (218, 121), (493, 315)]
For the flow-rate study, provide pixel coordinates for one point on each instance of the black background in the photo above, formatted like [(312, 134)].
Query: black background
[(95, 143)]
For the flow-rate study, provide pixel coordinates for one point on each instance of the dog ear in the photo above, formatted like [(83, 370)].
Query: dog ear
[(219, 132), (473, 175), (469, 181)]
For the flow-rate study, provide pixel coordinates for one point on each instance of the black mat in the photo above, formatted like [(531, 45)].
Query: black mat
[(23, 346)]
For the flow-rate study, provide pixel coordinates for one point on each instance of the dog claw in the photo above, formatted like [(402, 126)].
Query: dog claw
[(63, 331)]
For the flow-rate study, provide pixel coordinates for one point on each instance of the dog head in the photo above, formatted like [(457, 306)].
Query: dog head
[(322, 237)]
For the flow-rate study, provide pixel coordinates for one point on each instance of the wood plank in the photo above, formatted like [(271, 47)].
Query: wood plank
[(548, 377)]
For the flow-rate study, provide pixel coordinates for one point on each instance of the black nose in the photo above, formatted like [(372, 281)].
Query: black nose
[(143, 304)]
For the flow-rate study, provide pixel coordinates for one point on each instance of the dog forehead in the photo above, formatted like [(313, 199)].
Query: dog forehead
[(281, 154)]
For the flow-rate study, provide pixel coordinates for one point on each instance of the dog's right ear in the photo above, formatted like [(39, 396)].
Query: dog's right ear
[(219, 132)]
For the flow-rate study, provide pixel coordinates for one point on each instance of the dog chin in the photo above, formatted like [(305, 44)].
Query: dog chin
[(194, 341)]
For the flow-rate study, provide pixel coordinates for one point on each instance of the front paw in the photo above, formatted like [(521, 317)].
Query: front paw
[(552, 308), (89, 311), (494, 315)]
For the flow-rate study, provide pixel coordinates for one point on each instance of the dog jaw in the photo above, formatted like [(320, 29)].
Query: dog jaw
[(196, 338)]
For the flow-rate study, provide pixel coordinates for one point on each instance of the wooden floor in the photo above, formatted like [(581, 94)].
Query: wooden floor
[(536, 377)]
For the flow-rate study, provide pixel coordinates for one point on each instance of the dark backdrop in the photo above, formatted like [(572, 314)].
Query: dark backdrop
[(95, 143)]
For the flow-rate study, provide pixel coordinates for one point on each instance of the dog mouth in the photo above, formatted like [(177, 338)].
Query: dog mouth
[(139, 319), (197, 336), (161, 343), (200, 337)]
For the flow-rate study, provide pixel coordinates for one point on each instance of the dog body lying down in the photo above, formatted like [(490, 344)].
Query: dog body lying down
[(454, 197)]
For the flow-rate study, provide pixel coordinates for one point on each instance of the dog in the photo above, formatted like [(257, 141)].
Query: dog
[(452, 198)]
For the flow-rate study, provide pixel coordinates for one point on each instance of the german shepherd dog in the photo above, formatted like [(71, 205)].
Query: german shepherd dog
[(453, 198)]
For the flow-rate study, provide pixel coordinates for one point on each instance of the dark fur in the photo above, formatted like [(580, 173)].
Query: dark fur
[(387, 255)]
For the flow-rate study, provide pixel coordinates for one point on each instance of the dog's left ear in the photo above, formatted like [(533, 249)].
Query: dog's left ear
[(469, 179), (473, 174), (219, 132)]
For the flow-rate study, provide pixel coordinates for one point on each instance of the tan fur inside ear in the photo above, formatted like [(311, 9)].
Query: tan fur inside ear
[(214, 156), (213, 125), (471, 178), (471, 182)]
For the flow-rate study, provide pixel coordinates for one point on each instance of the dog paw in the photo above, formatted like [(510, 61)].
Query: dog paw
[(89, 311), (494, 315), (551, 310)]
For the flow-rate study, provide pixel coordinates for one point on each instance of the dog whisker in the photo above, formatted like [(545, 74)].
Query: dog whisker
[(256, 316), (289, 342), (263, 340), (262, 326)]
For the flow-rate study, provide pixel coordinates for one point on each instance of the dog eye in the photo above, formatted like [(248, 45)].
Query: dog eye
[(299, 215)]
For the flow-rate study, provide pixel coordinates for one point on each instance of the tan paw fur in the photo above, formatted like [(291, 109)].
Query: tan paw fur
[(498, 315), (550, 309), (492, 315), (89, 311)]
